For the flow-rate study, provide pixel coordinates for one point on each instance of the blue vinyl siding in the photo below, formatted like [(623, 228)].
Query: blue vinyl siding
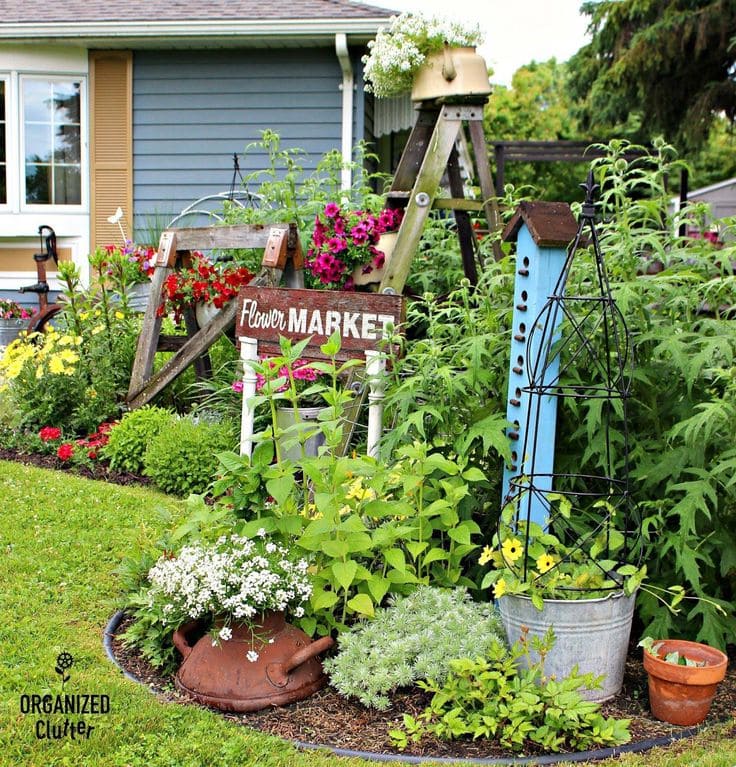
[(193, 109)]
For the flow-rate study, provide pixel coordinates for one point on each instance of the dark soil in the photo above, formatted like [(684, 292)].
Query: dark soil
[(96, 470), (329, 719)]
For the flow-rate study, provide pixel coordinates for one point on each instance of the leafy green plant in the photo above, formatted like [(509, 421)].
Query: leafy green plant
[(181, 458), (131, 436), (491, 697), (414, 638), (674, 657)]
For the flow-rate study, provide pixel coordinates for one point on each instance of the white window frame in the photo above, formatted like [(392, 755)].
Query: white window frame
[(24, 206), (10, 153)]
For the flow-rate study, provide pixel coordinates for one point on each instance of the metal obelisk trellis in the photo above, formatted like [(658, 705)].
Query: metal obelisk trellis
[(576, 348)]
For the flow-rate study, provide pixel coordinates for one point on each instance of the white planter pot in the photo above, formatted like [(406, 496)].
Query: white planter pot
[(592, 634), (451, 72), (386, 244), (205, 313)]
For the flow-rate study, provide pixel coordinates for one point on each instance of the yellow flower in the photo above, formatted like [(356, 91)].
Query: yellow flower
[(500, 588), (344, 510), (68, 356), (545, 562), (358, 492), (83, 315), (66, 340), (486, 555), (119, 316), (511, 549), (97, 329), (56, 364)]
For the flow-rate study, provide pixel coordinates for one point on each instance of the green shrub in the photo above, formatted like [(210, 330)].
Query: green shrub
[(492, 697), (181, 459), (413, 639), (130, 438)]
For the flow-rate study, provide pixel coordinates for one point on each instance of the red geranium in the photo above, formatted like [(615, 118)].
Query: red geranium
[(49, 433), (202, 282), (65, 451)]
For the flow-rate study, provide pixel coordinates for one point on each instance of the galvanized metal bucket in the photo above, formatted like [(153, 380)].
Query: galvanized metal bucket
[(592, 634), (285, 417), (9, 329)]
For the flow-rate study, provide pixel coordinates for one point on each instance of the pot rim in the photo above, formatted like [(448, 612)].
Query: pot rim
[(712, 673), (618, 594)]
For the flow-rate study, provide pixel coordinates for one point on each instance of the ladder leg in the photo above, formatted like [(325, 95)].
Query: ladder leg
[(422, 195), (490, 203), (465, 231)]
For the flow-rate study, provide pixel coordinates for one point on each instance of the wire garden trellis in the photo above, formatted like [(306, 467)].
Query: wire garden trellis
[(578, 349)]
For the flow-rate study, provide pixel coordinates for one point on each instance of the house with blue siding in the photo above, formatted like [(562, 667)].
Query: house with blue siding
[(142, 104)]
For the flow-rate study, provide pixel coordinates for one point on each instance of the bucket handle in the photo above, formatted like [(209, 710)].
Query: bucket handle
[(180, 638), (448, 65), (278, 673)]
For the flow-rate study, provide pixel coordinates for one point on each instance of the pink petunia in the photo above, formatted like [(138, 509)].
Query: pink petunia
[(331, 209)]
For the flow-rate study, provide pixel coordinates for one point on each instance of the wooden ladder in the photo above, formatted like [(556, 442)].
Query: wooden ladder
[(429, 153)]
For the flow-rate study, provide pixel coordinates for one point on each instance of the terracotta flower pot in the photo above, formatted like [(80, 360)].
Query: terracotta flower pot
[(270, 663), (683, 694)]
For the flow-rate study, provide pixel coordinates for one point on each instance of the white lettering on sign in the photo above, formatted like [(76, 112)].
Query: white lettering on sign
[(297, 320), (360, 325), (252, 317)]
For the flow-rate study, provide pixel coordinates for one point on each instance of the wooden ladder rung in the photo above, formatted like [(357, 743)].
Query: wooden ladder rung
[(457, 203), (170, 343)]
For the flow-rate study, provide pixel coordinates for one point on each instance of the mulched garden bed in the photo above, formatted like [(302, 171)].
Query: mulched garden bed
[(329, 719), (96, 470)]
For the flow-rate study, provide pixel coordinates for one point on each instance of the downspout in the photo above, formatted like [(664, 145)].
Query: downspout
[(348, 82)]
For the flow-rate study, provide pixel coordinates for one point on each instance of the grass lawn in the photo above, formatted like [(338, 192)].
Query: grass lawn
[(61, 538)]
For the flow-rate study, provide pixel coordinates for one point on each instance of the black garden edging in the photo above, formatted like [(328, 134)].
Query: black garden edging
[(578, 756)]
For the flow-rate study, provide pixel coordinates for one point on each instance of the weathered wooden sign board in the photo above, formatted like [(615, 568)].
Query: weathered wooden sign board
[(363, 320)]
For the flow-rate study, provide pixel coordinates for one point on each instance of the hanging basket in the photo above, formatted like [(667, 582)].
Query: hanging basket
[(452, 72)]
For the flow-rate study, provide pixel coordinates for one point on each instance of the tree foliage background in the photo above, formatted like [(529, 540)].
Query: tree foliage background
[(657, 67)]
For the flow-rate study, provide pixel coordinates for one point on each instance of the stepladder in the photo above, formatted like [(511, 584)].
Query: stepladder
[(431, 153)]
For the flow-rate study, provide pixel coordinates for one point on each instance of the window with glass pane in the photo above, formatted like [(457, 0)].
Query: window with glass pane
[(3, 148), (51, 118)]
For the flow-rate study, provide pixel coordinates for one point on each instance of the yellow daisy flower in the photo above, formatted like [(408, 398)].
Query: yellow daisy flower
[(545, 562), (511, 549), (485, 556), (500, 588), (56, 364)]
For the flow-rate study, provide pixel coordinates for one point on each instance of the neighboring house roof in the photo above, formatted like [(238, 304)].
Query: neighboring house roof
[(713, 187), (101, 19)]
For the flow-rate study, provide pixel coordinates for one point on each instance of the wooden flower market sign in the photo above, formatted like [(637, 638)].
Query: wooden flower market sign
[(363, 320)]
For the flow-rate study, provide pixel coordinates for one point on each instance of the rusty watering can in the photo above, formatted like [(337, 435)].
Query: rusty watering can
[(269, 663)]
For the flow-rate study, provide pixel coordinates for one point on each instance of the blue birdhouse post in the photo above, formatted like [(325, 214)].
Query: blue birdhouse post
[(542, 231)]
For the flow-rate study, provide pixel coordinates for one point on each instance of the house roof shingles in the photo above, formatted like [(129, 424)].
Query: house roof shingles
[(64, 11)]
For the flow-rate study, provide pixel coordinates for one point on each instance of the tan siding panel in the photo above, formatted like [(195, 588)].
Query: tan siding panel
[(21, 259), (111, 148)]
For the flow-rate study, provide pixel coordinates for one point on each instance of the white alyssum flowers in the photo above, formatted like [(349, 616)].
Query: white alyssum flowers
[(399, 50), (236, 577)]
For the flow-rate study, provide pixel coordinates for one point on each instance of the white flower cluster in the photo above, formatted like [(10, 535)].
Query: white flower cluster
[(399, 50), (237, 576)]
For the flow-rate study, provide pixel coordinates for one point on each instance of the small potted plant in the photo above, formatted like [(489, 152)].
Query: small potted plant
[(13, 318), (683, 678), (350, 247), (203, 286), (286, 381), (240, 589), (429, 56)]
